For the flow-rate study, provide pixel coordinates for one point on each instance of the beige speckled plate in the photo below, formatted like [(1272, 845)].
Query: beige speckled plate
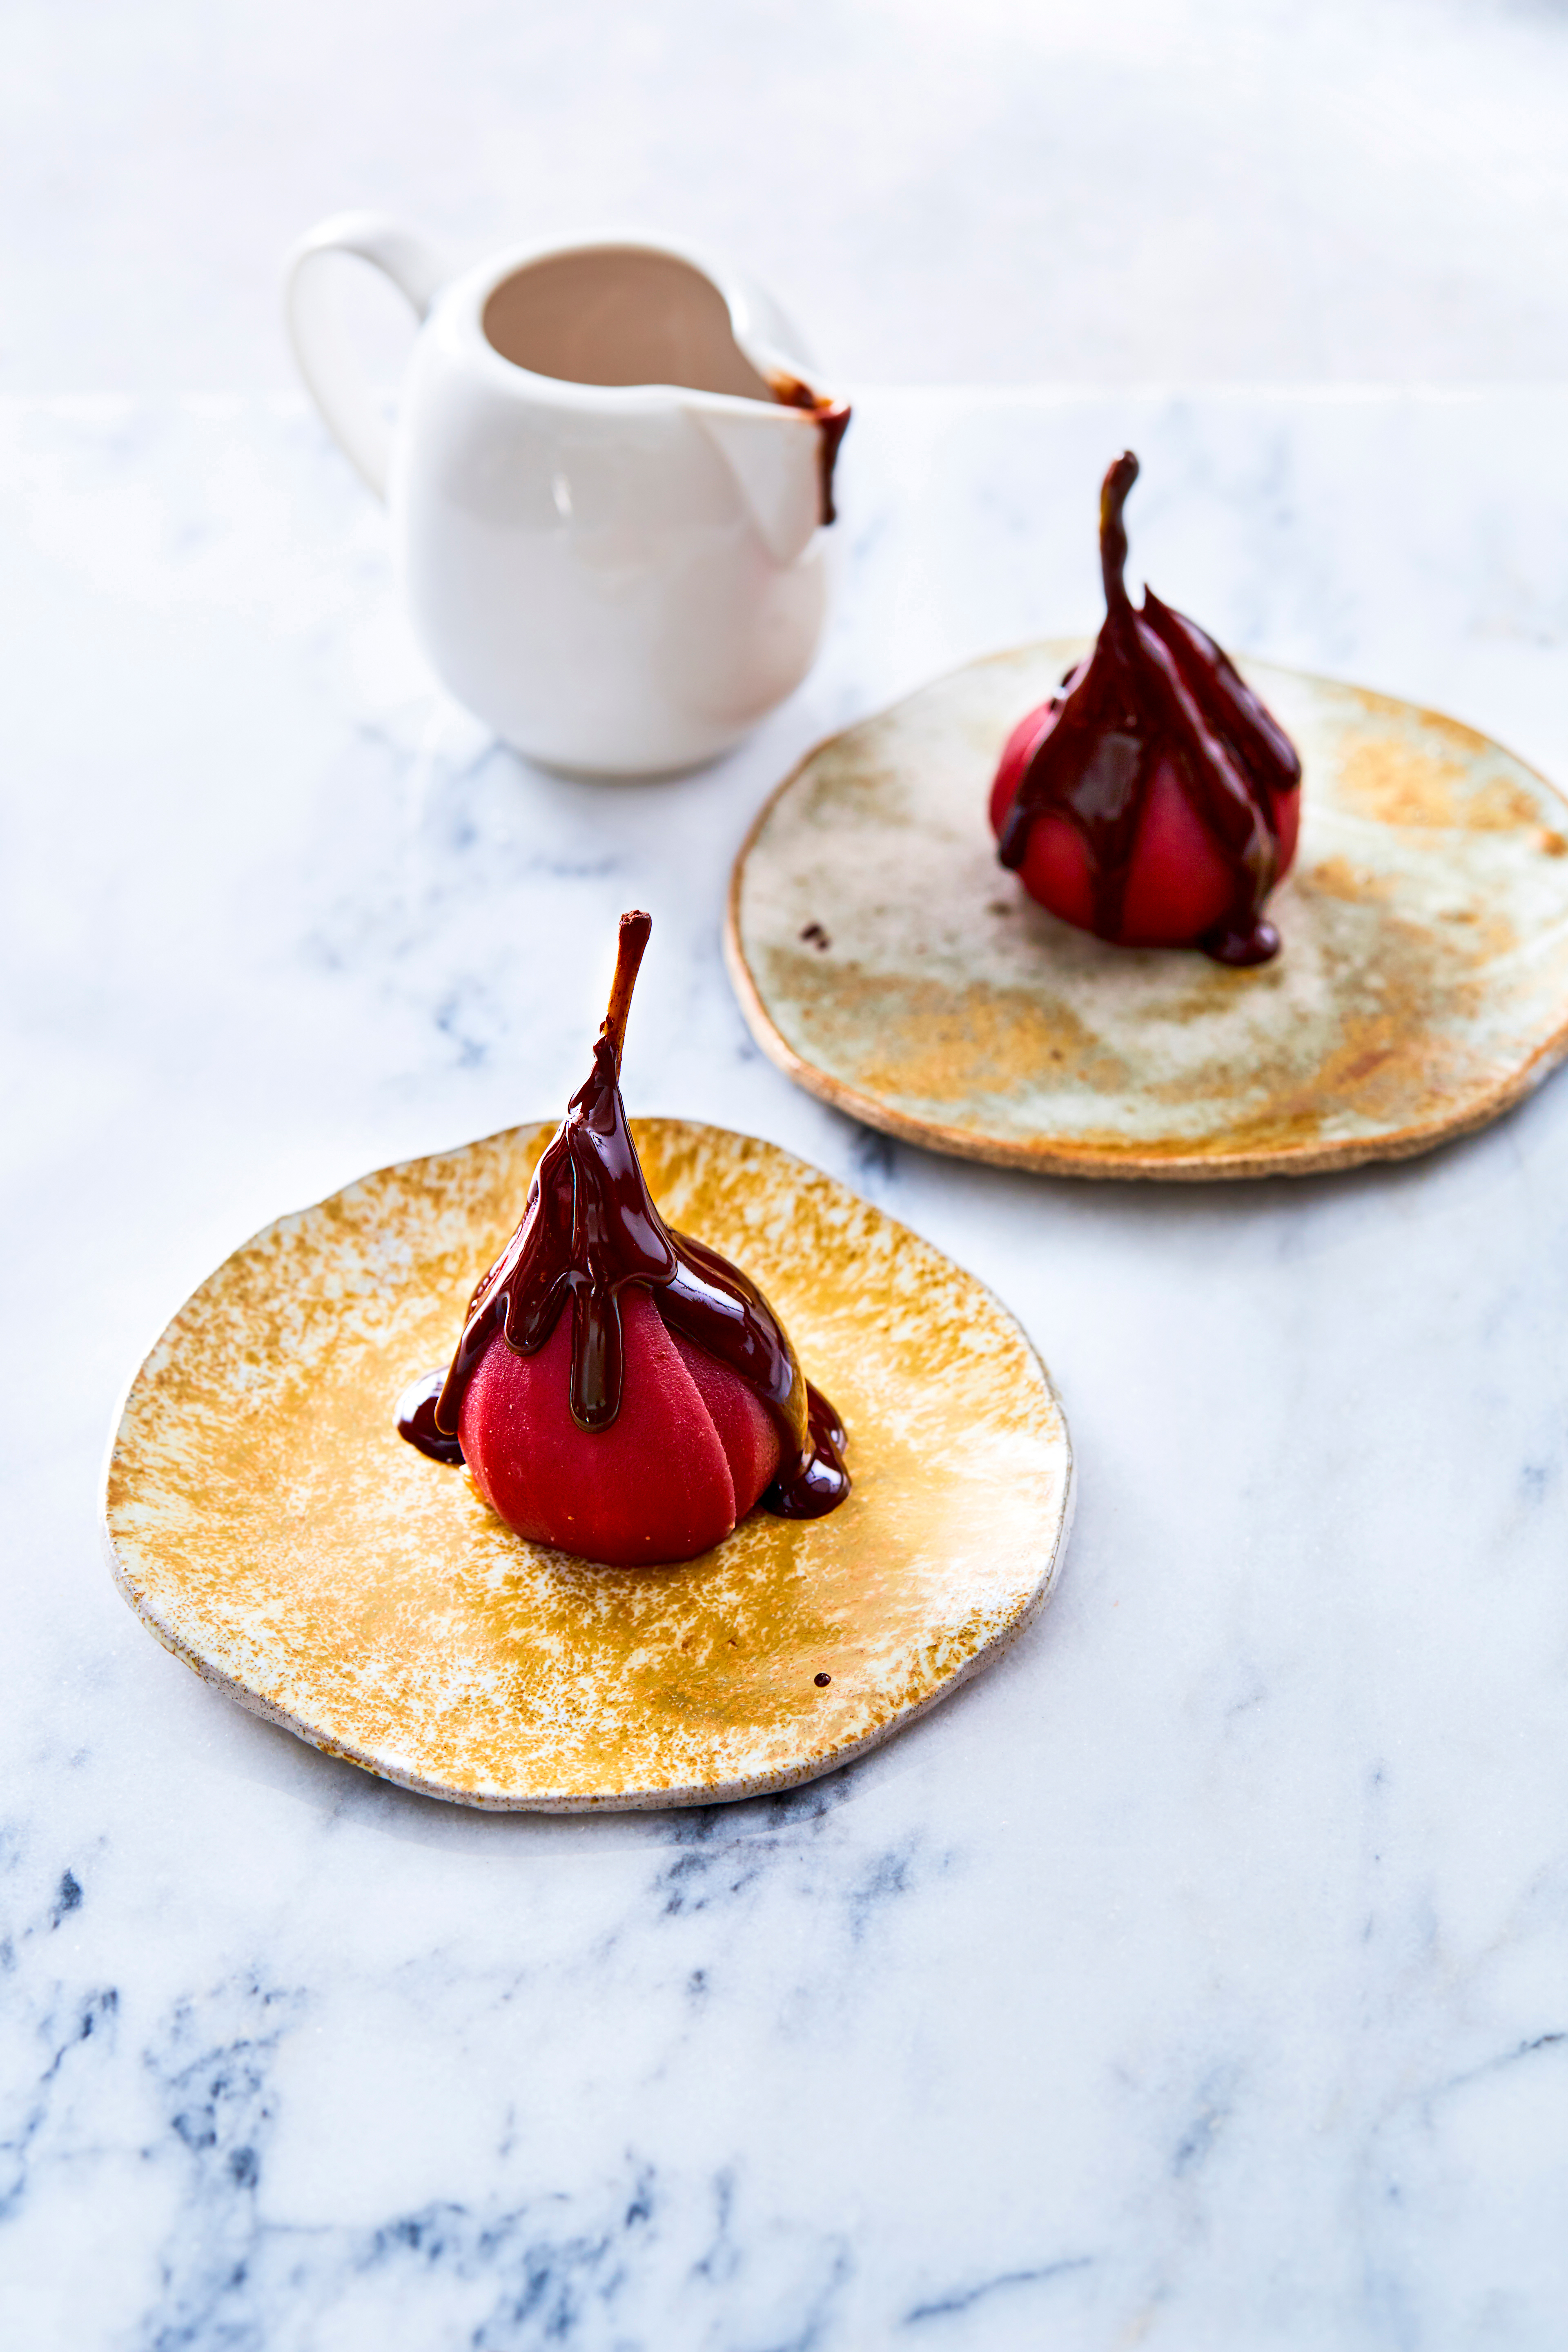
[(272, 1529), (887, 961)]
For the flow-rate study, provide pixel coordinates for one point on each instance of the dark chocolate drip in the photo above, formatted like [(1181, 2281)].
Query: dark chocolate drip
[(819, 1482), (417, 1419), (1156, 685), (832, 418), (590, 1230)]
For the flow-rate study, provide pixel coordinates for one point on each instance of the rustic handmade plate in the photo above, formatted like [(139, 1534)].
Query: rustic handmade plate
[(885, 960), (272, 1529)]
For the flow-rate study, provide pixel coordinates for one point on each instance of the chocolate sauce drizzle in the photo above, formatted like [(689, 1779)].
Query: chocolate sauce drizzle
[(1156, 684), (832, 424), (589, 1230)]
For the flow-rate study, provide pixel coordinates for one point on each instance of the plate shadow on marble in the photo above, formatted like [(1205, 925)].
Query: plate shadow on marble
[(887, 964), (272, 1531)]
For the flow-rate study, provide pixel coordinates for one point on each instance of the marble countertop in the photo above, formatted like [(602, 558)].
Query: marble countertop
[(1017, 190), (1197, 1980)]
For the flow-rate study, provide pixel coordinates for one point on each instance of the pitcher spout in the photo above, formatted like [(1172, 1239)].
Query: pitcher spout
[(781, 455), (831, 418)]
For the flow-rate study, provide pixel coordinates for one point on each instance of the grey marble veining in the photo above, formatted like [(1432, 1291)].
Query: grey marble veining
[(1196, 1980)]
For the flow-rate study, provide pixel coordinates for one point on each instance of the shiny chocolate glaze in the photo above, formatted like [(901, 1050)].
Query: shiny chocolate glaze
[(589, 1230), (1156, 685)]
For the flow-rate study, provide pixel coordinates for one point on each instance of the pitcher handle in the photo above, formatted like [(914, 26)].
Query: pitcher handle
[(327, 362)]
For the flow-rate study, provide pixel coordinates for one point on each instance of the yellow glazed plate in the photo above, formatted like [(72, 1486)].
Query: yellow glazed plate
[(885, 960), (272, 1528)]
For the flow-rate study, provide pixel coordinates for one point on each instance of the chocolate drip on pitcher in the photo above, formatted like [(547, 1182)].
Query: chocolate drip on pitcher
[(589, 1230), (832, 418), (1156, 686)]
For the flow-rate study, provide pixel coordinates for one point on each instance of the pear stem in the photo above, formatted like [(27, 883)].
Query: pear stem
[(1117, 481), (632, 940)]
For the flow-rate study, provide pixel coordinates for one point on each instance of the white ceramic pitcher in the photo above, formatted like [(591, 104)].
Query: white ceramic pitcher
[(608, 482)]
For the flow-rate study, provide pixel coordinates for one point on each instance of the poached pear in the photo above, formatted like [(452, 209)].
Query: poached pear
[(1153, 801), (621, 1391)]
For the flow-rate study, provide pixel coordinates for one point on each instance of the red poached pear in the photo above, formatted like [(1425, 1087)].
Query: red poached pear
[(1153, 801), (621, 1391)]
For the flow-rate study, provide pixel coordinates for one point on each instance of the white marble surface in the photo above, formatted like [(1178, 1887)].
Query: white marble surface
[(1198, 1980), (1061, 190)]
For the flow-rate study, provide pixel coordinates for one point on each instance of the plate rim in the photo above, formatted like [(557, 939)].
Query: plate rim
[(1057, 1157), (652, 1800)]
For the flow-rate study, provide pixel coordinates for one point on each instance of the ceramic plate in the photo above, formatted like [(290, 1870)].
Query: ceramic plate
[(272, 1531), (885, 960)]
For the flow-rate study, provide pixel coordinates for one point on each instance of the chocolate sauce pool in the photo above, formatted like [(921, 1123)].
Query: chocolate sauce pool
[(1156, 686), (590, 1229)]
